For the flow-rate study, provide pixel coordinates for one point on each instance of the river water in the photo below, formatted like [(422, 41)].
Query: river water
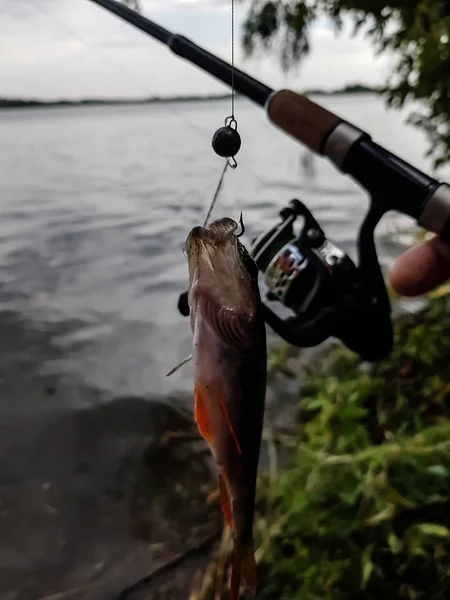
[(95, 205)]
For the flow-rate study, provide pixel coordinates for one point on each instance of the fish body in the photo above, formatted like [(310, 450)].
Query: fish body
[(230, 362)]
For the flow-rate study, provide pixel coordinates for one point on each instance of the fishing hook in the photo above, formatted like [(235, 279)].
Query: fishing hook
[(242, 227)]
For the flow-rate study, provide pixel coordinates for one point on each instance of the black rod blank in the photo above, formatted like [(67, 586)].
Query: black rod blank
[(244, 84)]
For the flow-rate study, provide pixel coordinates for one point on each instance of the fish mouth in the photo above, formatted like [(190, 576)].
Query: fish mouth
[(220, 286), (219, 233), (213, 246)]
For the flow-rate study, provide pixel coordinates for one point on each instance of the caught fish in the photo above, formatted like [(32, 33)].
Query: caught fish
[(230, 361)]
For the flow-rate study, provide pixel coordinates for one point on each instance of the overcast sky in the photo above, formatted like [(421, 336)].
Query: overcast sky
[(73, 48)]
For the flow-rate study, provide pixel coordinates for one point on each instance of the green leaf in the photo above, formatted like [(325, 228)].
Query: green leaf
[(433, 529), (393, 497), (394, 543), (367, 565), (439, 471), (385, 515)]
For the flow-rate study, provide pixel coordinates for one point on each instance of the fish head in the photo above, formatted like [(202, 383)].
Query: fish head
[(223, 277)]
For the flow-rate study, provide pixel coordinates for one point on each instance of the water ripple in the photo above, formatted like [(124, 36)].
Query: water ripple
[(95, 207)]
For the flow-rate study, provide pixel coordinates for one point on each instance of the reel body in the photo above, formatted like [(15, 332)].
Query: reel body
[(327, 294)]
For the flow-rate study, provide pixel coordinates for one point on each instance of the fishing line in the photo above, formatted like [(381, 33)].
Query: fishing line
[(116, 65), (216, 194), (226, 141), (119, 68), (170, 109), (233, 91)]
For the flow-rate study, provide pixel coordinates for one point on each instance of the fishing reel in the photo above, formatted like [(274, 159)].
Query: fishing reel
[(323, 291)]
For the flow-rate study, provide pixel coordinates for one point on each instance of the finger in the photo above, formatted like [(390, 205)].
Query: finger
[(421, 268)]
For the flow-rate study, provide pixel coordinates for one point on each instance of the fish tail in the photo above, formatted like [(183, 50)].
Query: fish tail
[(243, 568)]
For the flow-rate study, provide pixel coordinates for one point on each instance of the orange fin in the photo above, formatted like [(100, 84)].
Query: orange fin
[(201, 417), (225, 501), (223, 408), (243, 568)]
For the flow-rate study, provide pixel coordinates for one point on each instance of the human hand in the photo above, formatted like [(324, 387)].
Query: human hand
[(422, 268)]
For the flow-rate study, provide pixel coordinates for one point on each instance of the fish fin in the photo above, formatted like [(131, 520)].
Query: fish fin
[(201, 416), (183, 362), (225, 501), (235, 330), (224, 410), (243, 568)]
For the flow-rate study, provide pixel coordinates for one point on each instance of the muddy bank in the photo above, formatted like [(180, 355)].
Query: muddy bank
[(90, 500)]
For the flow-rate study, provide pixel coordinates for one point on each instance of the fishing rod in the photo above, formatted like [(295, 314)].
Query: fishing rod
[(394, 183), (327, 293)]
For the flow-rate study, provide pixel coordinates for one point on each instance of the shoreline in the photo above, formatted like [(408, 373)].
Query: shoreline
[(25, 103)]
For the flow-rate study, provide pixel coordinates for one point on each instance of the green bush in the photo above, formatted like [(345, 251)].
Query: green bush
[(363, 509)]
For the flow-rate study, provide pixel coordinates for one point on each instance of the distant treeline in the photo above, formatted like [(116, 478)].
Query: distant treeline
[(25, 103), (355, 88)]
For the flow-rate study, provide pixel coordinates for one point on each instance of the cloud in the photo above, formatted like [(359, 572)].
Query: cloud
[(73, 48)]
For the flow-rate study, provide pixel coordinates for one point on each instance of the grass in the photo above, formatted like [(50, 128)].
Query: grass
[(363, 508)]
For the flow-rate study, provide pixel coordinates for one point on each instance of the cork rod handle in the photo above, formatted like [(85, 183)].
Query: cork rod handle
[(301, 118)]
